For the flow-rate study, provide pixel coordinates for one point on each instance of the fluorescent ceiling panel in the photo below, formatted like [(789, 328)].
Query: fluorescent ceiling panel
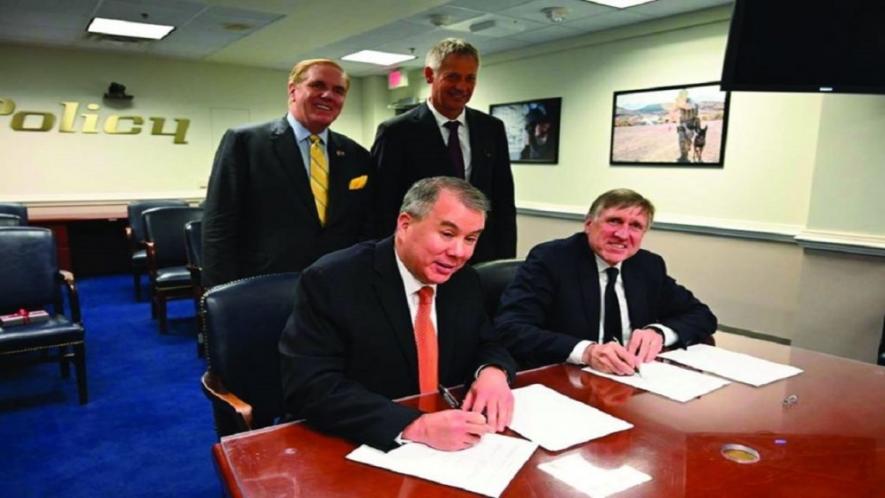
[(376, 57), (620, 4), (131, 29)]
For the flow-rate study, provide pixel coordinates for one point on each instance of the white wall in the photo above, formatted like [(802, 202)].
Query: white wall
[(54, 166)]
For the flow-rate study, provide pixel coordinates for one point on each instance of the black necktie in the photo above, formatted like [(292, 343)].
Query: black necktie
[(611, 329), (454, 147)]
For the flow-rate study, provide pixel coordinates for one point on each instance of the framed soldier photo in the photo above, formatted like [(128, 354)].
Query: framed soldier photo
[(681, 125), (532, 129)]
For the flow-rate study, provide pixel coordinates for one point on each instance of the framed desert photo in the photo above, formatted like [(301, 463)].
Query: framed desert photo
[(682, 125), (532, 129)]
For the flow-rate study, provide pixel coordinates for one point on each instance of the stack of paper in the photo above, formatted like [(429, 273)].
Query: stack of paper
[(556, 421), (736, 366), (669, 381), (486, 468), (595, 481)]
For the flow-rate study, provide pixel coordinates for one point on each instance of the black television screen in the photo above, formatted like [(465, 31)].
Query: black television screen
[(802, 46)]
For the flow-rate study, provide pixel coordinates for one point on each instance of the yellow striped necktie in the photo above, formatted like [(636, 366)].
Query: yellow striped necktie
[(319, 177)]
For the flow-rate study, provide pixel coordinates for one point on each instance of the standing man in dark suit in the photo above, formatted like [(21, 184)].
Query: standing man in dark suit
[(387, 319), (596, 298), (421, 144), (284, 193)]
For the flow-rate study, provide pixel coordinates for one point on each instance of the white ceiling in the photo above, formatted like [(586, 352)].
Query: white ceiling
[(277, 33)]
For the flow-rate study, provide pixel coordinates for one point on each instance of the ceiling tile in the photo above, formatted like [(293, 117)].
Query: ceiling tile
[(577, 9)]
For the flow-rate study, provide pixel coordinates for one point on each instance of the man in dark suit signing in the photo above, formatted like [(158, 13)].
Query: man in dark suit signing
[(444, 137), (284, 193), (387, 319), (596, 298)]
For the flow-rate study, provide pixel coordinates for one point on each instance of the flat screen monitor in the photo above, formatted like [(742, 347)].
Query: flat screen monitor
[(801, 46)]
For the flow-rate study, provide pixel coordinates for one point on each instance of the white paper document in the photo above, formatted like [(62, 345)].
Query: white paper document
[(595, 481), (556, 421), (670, 381), (486, 468), (736, 366)]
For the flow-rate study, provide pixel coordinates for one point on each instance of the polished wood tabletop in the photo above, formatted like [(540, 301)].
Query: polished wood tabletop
[(819, 434)]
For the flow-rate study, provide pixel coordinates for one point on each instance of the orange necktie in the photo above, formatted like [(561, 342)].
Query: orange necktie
[(425, 340)]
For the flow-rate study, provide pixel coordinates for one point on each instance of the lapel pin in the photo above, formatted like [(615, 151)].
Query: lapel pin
[(339, 153)]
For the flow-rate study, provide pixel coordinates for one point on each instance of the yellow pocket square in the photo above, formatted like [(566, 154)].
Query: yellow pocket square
[(358, 182)]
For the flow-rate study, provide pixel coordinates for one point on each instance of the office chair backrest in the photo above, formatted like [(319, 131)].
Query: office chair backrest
[(28, 268), (165, 228), (17, 209), (193, 239), (10, 220), (495, 276), (244, 320), (136, 209)]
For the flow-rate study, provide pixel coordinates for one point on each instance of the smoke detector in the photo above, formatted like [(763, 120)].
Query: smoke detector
[(555, 14)]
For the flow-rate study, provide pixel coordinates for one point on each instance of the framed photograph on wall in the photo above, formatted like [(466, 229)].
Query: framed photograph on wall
[(680, 125), (532, 129)]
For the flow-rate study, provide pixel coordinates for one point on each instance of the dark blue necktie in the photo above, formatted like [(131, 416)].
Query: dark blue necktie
[(454, 148)]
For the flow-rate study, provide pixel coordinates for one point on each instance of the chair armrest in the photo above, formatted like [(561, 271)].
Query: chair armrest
[(151, 251), (70, 284), (221, 398)]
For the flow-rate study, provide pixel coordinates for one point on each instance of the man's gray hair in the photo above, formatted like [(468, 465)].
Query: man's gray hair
[(447, 47), (621, 198), (421, 197)]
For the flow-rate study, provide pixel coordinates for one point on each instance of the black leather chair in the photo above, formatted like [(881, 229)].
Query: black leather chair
[(136, 236), (17, 209), (10, 220), (30, 280), (243, 321), (495, 276), (167, 256), (193, 242)]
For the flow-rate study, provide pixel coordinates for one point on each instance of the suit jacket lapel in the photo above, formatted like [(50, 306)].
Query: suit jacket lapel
[(339, 177), (479, 153), (289, 159), (446, 320), (392, 295), (588, 278), (636, 298)]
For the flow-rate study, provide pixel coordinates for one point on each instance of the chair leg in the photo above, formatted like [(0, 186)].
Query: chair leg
[(80, 366), (63, 363), (153, 299), (136, 282), (160, 299)]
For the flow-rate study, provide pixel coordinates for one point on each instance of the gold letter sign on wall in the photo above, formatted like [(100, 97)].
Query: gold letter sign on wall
[(113, 124)]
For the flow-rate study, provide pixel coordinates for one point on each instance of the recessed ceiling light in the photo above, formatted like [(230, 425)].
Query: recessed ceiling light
[(131, 29), (376, 57), (620, 4)]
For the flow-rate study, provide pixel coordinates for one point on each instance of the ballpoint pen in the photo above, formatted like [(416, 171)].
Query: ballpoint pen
[(636, 367), (448, 397)]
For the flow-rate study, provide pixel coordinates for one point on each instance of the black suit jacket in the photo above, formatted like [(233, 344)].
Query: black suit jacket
[(260, 215), (349, 348), (410, 147), (553, 302)]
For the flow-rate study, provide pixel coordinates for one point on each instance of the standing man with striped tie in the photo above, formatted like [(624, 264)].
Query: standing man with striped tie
[(442, 136), (400, 316), (282, 194)]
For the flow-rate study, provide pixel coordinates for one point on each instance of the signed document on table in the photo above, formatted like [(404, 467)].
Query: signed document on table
[(735, 366), (486, 468), (556, 421), (670, 381)]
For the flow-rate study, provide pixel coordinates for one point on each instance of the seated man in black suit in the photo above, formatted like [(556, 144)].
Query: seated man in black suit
[(596, 298), (364, 330)]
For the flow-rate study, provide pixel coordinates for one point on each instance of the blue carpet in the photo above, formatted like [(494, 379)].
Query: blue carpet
[(147, 429)]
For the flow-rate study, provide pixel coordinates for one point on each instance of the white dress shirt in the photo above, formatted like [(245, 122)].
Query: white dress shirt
[(577, 354), (302, 138), (412, 286), (463, 134)]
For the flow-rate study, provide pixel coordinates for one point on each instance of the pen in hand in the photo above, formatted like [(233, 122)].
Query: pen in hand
[(449, 397), (635, 367)]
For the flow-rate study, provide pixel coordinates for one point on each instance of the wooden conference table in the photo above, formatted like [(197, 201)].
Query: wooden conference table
[(828, 442)]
